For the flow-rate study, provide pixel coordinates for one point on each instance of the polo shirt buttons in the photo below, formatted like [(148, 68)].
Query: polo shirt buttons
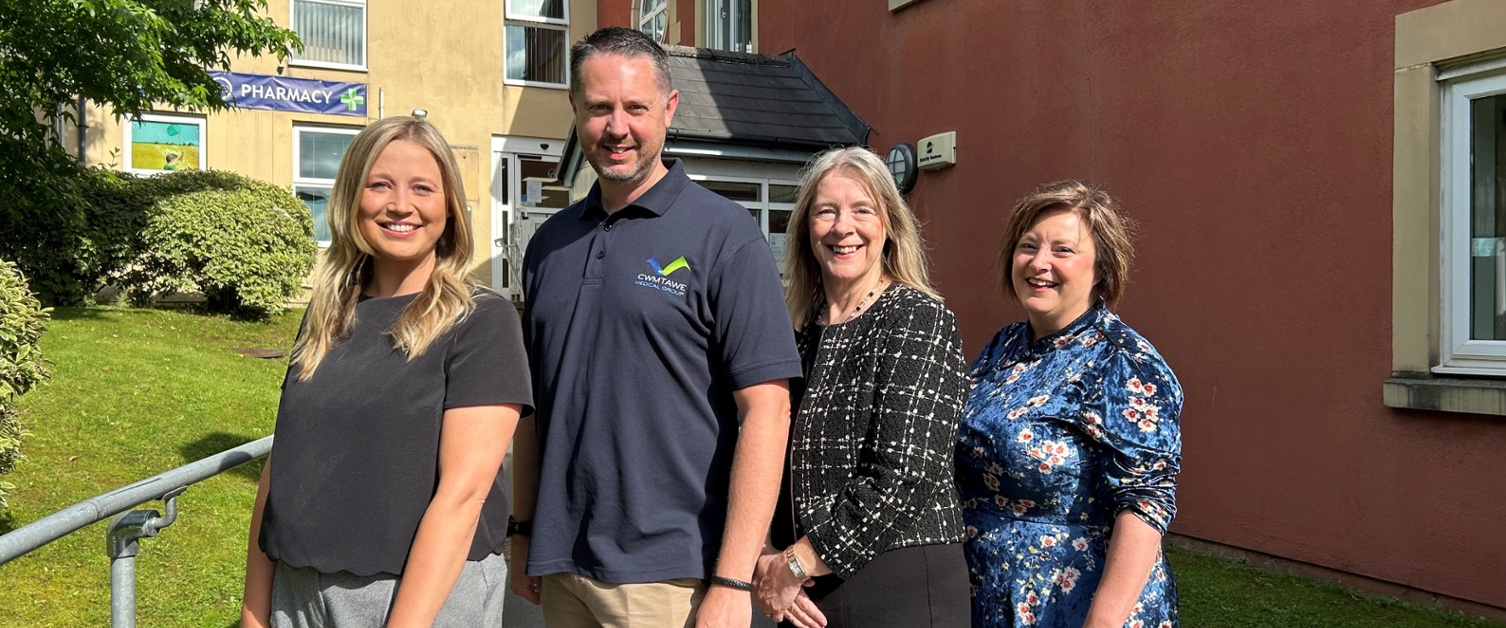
[(601, 254), (607, 226)]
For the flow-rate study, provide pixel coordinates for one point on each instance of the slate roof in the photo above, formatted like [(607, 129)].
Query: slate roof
[(758, 99)]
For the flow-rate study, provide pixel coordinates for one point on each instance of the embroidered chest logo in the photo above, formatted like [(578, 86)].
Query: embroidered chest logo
[(660, 278)]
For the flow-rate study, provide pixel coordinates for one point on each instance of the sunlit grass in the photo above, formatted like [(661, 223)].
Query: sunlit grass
[(135, 393)]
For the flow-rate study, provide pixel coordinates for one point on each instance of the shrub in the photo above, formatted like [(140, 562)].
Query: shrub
[(22, 321), (245, 244), (43, 223)]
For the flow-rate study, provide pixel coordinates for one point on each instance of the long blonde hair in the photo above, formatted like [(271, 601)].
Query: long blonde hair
[(346, 268), (904, 255)]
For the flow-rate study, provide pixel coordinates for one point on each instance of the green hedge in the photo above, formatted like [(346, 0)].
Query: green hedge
[(22, 321), (247, 245)]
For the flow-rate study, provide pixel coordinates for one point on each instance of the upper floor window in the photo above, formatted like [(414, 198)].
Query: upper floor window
[(1473, 225), (333, 33), (536, 40), (653, 18), (729, 25)]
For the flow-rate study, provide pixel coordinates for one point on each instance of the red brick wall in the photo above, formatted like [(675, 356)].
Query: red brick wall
[(1252, 141)]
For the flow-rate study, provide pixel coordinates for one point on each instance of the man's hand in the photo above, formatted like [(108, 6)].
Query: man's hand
[(780, 596), (522, 584), (724, 607)]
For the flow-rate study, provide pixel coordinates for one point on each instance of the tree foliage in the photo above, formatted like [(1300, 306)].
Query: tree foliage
[(22, 321), (133, 55)]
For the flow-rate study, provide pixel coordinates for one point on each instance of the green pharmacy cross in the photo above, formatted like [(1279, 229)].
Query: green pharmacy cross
[(351, 99)]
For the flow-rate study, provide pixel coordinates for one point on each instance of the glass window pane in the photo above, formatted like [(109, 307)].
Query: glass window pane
[(779, 220), (1487, 219), (782, 193), (535, 54), (546, 9), (331, 33), (748, 192), (317, 198), (159, 145), (319, 154), (540, 187)]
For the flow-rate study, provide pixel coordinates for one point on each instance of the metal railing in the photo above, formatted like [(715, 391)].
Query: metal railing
[(126, 530)]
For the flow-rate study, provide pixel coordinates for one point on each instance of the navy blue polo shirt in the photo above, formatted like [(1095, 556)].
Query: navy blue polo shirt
[(640, 325)]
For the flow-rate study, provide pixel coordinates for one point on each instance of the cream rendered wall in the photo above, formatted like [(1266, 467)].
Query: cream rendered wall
[(446, 58)]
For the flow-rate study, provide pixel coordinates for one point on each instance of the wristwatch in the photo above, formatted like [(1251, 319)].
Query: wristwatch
[(514, 526), (795, 566)]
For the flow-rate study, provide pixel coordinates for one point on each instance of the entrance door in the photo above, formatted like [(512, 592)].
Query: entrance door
[(525, 192)]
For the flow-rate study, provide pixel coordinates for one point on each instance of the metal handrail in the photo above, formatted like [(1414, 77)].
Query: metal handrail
[(126, 530)]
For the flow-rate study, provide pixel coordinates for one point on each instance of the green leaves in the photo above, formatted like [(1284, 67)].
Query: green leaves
[(133, 55), (245, 244), (22, 321)]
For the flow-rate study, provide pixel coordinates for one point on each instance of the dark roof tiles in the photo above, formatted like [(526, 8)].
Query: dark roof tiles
[(751, 97)]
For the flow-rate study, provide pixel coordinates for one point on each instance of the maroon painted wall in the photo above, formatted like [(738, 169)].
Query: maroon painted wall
[(615, 13), (1253, 144)]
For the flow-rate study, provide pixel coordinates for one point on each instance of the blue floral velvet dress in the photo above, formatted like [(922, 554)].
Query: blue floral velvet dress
[(1060, 435)]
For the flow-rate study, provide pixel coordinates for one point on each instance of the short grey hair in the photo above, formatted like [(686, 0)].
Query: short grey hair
[(619, 41)]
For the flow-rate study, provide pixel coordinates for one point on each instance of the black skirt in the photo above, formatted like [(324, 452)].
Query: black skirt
[(909, 587)]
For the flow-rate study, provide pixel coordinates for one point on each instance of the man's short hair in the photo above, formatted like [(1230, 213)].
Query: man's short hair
[(616, 40)]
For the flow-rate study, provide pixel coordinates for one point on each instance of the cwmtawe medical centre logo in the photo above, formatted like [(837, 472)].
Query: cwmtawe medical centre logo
[(660, 280)]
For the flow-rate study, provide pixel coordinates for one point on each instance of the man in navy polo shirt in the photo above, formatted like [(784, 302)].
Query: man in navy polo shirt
[(661, 349)]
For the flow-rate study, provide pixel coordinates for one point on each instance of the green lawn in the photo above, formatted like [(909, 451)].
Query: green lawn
[(1228, 594), (135, 393), (138, 392)]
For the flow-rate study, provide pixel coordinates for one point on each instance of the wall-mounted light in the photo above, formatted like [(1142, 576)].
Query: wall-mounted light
[(420, 113), (901, 162)]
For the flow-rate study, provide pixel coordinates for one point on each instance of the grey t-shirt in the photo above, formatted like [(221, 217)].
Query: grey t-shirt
[(355, 463)]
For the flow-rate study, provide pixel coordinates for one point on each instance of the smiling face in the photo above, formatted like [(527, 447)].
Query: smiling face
[(403, 210), (622, 115), (847, 232), (1052, 273)]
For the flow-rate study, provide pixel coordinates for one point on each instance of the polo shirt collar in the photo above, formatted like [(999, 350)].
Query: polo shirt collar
[(657, 200)]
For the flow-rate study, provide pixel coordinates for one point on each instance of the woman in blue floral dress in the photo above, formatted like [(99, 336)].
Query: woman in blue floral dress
[(1069, 446)]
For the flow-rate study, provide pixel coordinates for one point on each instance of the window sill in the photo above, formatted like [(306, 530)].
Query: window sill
[(326, 65), (522, 83), (1444, 394)]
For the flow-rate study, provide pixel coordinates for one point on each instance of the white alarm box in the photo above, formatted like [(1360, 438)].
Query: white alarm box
[(937, 151)]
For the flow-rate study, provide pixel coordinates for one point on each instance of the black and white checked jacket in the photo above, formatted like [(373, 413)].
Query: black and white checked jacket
[(872, 441)]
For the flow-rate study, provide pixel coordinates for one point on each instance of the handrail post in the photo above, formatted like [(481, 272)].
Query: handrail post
[(122, 542)]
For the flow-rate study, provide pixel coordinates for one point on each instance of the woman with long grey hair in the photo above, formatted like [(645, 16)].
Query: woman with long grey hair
[(868, 529)]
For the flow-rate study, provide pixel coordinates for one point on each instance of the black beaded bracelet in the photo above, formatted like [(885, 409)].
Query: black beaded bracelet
[(732, 583)]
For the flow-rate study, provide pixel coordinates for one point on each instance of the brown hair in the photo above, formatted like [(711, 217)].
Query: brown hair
[(904, 252), (1112, 232)]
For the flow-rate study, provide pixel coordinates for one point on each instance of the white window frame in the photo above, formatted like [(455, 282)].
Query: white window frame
[(311, 182), (763, 205), (562, 25), (1459, 354), (648, 18), (168, 119), (517, 17), (365, 36), (713, 24)]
